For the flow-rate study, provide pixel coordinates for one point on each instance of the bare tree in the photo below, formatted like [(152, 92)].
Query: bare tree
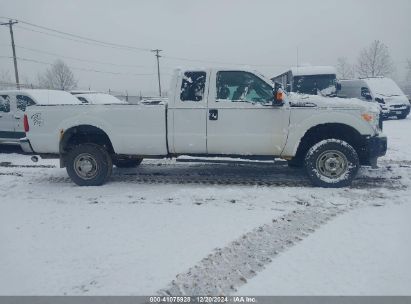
[(5, 80), (58, 77), (375, 60), (345, 70)]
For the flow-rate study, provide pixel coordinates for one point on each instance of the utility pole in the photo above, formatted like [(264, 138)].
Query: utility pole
[(157, 51), (16, 72)]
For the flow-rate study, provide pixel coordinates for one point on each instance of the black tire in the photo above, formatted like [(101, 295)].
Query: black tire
[(89, 165), (332, 163), (402, 116), (127, 163)]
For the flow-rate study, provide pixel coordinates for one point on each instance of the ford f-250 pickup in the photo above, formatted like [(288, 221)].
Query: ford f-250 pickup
[(211, 112)]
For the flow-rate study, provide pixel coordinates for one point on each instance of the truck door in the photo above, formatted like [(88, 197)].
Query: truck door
[(188, 114), (241, 119), (6, 117)]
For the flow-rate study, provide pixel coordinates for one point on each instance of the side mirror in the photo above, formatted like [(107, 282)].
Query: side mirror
[(279, 95), (379, 100), (368, 96)]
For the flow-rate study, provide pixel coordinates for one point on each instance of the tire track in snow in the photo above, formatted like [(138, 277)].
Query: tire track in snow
[(224, 270)]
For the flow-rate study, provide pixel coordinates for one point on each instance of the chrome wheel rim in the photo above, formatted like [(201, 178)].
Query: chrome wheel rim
[(332, 164), (85, 166)]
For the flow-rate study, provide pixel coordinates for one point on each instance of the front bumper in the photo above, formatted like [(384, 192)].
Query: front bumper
[(26, 146), (376, 146), (402, 110)]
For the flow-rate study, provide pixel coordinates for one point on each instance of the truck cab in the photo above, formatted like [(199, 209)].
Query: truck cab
[(237, 108)]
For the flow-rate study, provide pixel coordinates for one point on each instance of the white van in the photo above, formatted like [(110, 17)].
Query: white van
[(378, 89), (13, 103)]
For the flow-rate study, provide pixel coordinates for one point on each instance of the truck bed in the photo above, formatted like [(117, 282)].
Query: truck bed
[(132, 129)]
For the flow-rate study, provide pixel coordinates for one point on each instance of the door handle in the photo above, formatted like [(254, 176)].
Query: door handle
[(213, 114), (17, 117)]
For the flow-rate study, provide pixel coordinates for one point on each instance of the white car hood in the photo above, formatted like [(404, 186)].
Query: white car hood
[(394, 100)]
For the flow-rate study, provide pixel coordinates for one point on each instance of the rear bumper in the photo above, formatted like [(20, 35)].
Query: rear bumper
[(26, 146)]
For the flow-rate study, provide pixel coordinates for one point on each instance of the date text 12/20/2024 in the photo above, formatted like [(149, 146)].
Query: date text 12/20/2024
[(202, 299)]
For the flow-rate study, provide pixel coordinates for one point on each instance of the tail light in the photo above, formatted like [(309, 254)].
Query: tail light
[(26, 124)]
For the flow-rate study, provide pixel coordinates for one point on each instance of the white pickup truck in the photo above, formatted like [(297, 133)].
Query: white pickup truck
[(211, 112)]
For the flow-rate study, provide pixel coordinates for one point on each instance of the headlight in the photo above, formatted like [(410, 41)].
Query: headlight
[(372, 119)]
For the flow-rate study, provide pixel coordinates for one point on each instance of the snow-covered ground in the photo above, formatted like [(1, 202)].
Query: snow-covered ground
[(183, 227)]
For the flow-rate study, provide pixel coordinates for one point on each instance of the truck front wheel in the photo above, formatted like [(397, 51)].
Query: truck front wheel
[(332, 163), (89, 165)]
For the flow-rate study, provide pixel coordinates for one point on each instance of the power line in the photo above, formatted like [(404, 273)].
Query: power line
[(80, 69), (101, 42), (96, 42), (82, 59), (71, 39)]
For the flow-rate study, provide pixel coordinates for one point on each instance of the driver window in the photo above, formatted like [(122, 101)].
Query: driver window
[(4, 103), (238, 86)]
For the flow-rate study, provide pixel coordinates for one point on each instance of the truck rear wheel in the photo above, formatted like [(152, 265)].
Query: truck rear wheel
[(89, 165), (332, 163), (127, 163)]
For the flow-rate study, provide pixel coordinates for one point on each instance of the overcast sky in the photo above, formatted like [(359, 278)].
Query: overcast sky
[(264, 34)]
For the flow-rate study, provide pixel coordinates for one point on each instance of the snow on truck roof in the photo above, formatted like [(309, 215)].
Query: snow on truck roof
[(46, 97), (313, 70)]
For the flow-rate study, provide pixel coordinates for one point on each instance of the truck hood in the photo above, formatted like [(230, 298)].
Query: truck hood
[(394, 100), (311, 101)]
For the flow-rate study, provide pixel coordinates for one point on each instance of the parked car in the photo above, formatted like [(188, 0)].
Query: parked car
[(97, 98), (13, 103), (381, 90), (211, 112)]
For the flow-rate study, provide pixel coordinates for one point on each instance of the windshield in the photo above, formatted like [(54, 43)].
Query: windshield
[(384, 86), (311, 84)]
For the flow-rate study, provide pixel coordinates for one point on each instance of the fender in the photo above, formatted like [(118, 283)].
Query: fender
[(303, 119), (93, 121)]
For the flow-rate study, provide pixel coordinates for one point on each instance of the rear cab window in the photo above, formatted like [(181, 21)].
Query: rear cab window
[(193, 86)]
